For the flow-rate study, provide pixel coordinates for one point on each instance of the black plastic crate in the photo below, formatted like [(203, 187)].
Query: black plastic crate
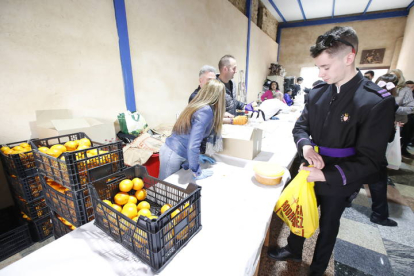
[(14, 233), (33, 209), (41, 228), (59, 227), (28, 188), (75, 169), (20, 164), (154, 241), (74, 206)]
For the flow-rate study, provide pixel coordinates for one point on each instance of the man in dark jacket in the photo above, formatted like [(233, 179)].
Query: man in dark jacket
[(296, 87), (228, 68), (343, 132)]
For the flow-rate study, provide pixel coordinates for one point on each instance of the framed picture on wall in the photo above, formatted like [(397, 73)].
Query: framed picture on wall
[(374, 56)]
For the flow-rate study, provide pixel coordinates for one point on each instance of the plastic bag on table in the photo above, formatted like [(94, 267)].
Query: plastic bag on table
[(393, 152), (297, 206), (132, 123)]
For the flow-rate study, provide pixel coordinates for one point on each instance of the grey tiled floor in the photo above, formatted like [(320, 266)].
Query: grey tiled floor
[(25, 252)]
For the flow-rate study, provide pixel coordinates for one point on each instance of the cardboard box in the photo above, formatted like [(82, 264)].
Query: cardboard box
[(50, 123), (241, 141)]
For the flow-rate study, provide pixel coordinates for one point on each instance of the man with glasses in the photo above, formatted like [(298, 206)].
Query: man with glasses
[(343, 133)]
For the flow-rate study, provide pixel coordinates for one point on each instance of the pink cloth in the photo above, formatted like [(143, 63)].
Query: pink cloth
[(267, 95)]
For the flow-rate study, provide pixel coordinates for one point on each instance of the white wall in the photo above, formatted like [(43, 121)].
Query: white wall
[(406, 58), (57, 54), (171, 40)]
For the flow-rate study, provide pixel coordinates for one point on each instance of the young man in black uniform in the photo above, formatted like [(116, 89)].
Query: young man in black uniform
[(343, 132)]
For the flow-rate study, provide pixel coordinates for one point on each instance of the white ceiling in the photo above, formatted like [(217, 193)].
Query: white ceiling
[(318, 9)]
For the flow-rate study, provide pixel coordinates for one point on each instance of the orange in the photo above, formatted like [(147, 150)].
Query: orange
[(130, 210), (59, 147), (121, 198), (176, 212), (8, 151), (117, 207), (143, 205), (165, 207), (138, 183), (107, 202), (4, 148), (43, 149), (145, 213), (26, 149), (17, 148), (125, 185), (71, 145), (153, 217), (132, 199), (54, 152), (141, 194), (82, 147), (85, 141), (93, 152), (24, 145)]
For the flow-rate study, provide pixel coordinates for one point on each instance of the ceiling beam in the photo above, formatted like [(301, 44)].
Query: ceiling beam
[(410, 6), (277, 10), (344, 19), (366, 8), (301, 9)]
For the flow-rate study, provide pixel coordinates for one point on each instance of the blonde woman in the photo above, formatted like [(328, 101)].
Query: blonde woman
[(200, 119)]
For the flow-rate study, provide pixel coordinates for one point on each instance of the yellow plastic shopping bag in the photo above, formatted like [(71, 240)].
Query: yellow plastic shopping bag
[(297, 206)]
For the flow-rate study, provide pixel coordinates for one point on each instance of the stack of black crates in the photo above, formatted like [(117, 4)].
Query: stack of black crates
[(14, 232), (64, 179), (24, 182)]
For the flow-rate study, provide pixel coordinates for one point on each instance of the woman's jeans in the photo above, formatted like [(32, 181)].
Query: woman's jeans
[(170, 162)]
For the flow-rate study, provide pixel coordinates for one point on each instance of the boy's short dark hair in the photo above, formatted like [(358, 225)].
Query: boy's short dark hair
[(334, 41), (300, 79), (288, 90), (370, 72), (409, 82)]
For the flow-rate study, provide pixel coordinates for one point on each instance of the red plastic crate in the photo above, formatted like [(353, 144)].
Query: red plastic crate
[(153, 165)]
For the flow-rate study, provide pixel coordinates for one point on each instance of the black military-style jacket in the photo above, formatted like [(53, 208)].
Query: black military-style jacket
[(361, 115)]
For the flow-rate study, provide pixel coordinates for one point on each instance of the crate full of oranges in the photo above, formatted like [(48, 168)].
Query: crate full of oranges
[(73, 159), (150, 217), (74, 206), (18, 159)]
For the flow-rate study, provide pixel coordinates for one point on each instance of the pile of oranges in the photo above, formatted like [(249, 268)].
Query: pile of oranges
[(127, 203), (58, 149), (21, 148)]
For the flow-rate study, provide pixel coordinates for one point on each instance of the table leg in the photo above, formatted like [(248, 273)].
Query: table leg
[(267, 239)]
